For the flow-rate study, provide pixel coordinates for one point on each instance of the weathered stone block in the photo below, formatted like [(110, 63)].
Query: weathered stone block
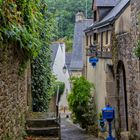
[(13, 97), (125, 135)]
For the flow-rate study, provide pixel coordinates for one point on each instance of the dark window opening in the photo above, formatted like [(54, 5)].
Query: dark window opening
[(86, 40), (95, 38), (101, 41), (106, 37), (95, 15)]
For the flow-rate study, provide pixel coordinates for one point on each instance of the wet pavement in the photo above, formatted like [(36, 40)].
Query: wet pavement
[(70, 131)]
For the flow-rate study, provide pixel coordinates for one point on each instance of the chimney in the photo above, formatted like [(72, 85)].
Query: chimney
[(79, 17)]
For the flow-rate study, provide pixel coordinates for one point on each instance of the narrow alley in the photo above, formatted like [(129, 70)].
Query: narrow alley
[(66, 64), (70, 131)]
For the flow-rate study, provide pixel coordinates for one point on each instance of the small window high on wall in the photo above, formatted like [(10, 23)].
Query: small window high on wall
[(95, 15), (86, 40), (95, 38), (106, 37)]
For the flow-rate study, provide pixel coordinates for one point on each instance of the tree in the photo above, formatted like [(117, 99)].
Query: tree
[(65, 11)]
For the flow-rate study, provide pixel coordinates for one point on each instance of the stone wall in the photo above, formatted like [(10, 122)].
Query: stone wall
[(134, 88), (131, 64), (13, 96), (126, 44)]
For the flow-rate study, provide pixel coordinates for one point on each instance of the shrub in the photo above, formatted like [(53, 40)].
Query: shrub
[(61, 88), (79, 102)]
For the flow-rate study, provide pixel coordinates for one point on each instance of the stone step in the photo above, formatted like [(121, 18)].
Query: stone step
[(40, 123), (46, 131), (49, 138), (45, 138)]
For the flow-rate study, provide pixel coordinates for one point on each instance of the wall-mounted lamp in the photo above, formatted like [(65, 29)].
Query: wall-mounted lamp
[(64, 69), (93, 53), (93, 49)]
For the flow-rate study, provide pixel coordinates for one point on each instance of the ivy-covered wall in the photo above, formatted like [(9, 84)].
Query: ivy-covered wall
[(29, 26), (26, 29)]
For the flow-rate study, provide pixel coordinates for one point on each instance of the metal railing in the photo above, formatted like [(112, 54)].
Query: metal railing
[(104, 53), (57, 102)]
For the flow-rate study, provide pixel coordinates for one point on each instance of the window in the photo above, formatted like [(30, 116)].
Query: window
[(86, 40), (101, 41), (106, 37), (95, 37), (95, 15)]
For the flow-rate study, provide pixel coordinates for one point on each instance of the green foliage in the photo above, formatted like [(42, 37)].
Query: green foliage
[(28, 26), (61, 87), (68, 42), (79, 101), (91, 117), (24, 24), (42, 81), (137, 49), (91, 114), (65, 14)]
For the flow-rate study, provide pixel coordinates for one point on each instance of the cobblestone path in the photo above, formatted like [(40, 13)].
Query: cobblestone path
[(69, 131)]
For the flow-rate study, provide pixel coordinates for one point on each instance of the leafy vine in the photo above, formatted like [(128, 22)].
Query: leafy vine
[(28, 26), (23, 23)]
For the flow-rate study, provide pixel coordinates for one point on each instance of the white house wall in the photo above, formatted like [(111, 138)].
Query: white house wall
[(58, 71)]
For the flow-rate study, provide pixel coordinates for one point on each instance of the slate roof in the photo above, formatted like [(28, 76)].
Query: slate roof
[(68, 60), (78, 44), (106, 3), (111, 16), (54, 49)]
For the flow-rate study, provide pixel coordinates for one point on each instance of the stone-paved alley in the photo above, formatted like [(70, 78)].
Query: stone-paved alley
[(70, 131)]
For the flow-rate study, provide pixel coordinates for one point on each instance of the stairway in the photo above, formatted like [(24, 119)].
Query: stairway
[(44, 129)]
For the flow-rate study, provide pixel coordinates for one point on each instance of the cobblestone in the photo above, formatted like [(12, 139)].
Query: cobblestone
[(69, 131)]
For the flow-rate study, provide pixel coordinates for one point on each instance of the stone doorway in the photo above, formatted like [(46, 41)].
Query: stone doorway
[(122, 97)]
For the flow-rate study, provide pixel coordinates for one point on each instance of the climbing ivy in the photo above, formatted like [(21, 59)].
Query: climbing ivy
[(23, 24), (27, 26), (42, 81)]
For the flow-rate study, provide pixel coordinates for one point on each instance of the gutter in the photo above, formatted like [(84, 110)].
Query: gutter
[(107, 22)]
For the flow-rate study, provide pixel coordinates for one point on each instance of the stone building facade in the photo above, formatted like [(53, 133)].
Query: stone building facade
[(13, 95), (123, 77), (135, 69), (127, 71)]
